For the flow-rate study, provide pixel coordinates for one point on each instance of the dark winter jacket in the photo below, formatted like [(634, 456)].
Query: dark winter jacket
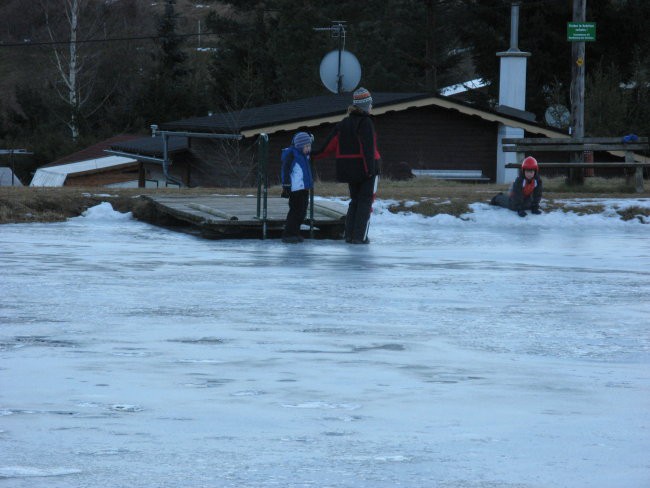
[(296, 170), (517, 199), (353, 143)]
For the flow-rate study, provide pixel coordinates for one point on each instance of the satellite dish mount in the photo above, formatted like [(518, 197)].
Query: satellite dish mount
[(340, 70)]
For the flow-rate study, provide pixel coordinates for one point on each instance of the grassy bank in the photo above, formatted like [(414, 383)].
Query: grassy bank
[(421, 195)]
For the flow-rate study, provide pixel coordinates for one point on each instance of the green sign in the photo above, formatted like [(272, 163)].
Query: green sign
[(581, 31)]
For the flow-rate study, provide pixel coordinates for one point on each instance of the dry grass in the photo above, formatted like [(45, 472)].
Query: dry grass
[(421, 195)]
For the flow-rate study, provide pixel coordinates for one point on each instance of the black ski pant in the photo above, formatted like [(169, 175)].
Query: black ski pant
[(503, 200), (298, 201), (358, 217)]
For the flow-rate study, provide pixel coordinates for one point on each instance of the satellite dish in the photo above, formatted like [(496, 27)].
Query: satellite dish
[(349, 71), (557, 116)]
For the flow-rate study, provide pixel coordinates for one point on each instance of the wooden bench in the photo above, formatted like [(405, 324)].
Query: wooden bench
[(451, 174), (611, 145)]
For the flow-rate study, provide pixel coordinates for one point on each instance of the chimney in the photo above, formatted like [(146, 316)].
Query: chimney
[(512, 78), (514, 28), (512, 93)]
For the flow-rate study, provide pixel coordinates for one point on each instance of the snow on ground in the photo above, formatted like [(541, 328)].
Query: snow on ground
[(488, 351)]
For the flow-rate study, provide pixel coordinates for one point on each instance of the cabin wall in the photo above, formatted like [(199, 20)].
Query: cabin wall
[(104, 177), (423, 138)]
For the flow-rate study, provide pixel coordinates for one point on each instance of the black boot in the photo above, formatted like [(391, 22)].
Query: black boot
[(359, 241), (292, 239)]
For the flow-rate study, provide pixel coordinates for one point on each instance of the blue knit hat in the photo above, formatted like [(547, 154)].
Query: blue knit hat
[(301, 139), (361, 98)]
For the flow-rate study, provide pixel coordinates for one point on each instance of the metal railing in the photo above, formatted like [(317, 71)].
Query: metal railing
[(311, 206), (166, 134), (263, 181)]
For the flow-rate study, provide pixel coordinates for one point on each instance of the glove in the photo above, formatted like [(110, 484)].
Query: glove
[(521, 213), (536, 211), (286, 191), (631, 138)]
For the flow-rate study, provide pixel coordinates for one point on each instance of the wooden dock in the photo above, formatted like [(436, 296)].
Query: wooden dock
[(235, 217)]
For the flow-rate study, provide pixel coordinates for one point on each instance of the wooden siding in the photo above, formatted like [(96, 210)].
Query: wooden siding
[(423, 137), (219, 163), (434, 138), (101, 178)]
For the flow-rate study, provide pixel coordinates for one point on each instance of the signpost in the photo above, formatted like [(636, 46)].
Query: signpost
[(581, 31)]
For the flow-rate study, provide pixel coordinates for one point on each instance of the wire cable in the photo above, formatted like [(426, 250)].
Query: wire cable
[(108, 39)]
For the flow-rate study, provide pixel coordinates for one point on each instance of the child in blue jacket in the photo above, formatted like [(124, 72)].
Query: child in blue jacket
[(296, 183)]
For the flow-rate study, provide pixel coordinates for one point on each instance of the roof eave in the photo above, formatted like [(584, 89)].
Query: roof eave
[(408, 104)]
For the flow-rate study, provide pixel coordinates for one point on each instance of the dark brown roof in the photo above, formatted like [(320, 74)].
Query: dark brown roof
[(280, 113), (92, 152), (151, 146), (311, 112)]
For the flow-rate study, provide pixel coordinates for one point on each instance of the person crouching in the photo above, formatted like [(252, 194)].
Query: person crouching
[(296, 182), (525, 192)]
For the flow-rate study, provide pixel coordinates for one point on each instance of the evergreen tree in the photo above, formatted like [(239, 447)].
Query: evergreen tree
[(268, 51), (172, 56), (606, 108), (621, 26), (165, 96), (241, 69), (638, 117), (404, 45)]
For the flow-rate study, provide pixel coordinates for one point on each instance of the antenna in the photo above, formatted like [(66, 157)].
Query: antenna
[(340, 70)]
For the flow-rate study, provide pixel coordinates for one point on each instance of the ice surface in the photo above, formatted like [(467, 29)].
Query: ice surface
[(489, 351)]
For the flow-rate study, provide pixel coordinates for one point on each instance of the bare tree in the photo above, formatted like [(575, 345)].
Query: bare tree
[(68, 24)]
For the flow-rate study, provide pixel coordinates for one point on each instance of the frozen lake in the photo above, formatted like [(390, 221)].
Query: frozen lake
[(482, 353)]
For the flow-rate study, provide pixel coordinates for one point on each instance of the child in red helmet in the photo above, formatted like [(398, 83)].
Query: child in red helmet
[(525, 192)]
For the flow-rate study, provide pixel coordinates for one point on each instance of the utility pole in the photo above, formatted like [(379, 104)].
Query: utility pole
[(578, 89)]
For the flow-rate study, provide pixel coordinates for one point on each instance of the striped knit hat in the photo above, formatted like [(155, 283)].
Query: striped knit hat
[(362, 99), (301, 139)]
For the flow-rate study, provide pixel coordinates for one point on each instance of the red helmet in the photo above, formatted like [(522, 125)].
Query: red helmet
[(529, 163)]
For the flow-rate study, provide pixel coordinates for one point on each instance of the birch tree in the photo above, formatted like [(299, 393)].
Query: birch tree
[(66, 21)]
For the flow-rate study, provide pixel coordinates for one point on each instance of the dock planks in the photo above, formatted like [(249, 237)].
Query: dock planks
[(222, 217)]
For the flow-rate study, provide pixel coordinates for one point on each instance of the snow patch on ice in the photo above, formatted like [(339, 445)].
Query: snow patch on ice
[(383, 459), (32, 472), (324, 405), (248, 393), (126, 408)]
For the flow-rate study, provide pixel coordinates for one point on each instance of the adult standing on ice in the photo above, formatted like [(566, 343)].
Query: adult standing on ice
[(525, 192), (354, 144)]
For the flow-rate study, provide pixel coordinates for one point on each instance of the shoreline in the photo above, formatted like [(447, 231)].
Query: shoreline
[(429, 198)]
